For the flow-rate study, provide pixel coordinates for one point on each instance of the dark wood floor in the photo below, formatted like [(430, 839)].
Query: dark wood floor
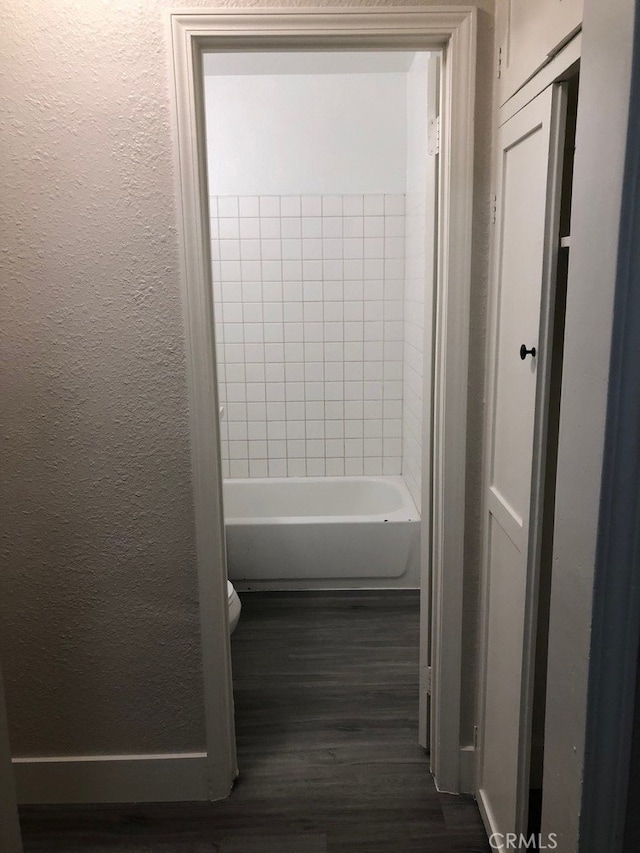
[(326, 715)]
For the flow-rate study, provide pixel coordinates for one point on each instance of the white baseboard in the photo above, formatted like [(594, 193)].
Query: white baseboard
[(112, 779), (467, 769)]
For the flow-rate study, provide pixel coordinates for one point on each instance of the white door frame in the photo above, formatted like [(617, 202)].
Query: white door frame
[(453, 31)]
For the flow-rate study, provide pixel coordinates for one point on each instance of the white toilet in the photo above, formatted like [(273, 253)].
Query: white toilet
[(234, 605)]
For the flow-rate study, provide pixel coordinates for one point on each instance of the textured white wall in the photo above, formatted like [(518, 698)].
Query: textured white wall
[(99, 629), (306, 134)]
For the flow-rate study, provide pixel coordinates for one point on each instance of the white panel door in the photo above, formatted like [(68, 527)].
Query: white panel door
[(525, 247)]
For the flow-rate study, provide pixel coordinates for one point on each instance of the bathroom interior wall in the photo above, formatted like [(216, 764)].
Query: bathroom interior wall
[(418, 282), (308, 176)]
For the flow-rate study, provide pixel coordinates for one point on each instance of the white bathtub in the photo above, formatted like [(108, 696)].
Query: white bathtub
[(321, 533)]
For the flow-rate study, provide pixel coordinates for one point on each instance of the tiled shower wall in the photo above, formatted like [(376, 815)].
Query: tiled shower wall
[(308, 298)]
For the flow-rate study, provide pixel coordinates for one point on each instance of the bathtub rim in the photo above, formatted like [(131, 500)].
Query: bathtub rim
[(408, 512)]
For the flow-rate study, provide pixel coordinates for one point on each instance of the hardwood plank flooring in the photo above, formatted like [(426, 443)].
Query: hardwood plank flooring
[(326, 715)]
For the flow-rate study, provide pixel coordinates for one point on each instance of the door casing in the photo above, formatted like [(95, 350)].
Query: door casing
[(451, 30)]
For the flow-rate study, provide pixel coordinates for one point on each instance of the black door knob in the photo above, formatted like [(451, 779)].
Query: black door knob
[(524, 352)]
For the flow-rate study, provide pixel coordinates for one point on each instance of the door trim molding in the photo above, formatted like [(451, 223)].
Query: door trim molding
[(452, 30)]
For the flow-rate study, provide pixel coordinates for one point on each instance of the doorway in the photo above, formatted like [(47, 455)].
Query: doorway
[(454, 34)]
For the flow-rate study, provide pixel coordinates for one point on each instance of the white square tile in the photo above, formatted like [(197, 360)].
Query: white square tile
[(293, 333), (237, 431), (353, 409), (373, 428), (292, 310), (272, 291), (333, 311), (295, 412), (271, 251), (393, 330), (251, 291), (314, 371), (393, 370), (273, 352), (234, 333), (353, 312), (228, 229), (334, 447), (313, 332), (249, 205), (276, 449), (353, 290), (232, 312), (374, 226), (392, 428), (353, 467), (332, 249), (275, 392), (353, 371), (311, 205), (258, 468), (374, 269), (314, 391), (277, 467), (373, 205), (334, 371), (373, 447), (332, 228), (254, 372), (332, 205), (353, 269), (276, 411), (394, 310), (353, 390), (295, 448), (312, 271), (353, 429), (372, 390), (373, 331), (374, 289), (315, 448), (314, 409), (392, 465), (334, 351), (315, 429), (332, 269), (393, 350), (335, 429), (256, 412), (296, 467), (353, 447), (334, 390), (313, 351), (257, 430), (270, 229), (393, 268), (256, 392), (292, 291), (237, 412), (374, 247), (315, 467), (292, 251), (227, 205), (352, 205), (250, 271), (290, 205), (294, 391), (353, 331), (233, 352), (294, 351), (334, 410), (257, 449), (274, 371), (353, 226), (312, 227), (352, 247), (229, 251), (272, 312), (238, 468), (333, 331), (296, 429), (312, 250), (393, 247), (372, 466), (392, 447), (334, 467), (333, 291), (373, 310), (273, 333), (294, 371), (290, 228), (238, 450), (269, 205)]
